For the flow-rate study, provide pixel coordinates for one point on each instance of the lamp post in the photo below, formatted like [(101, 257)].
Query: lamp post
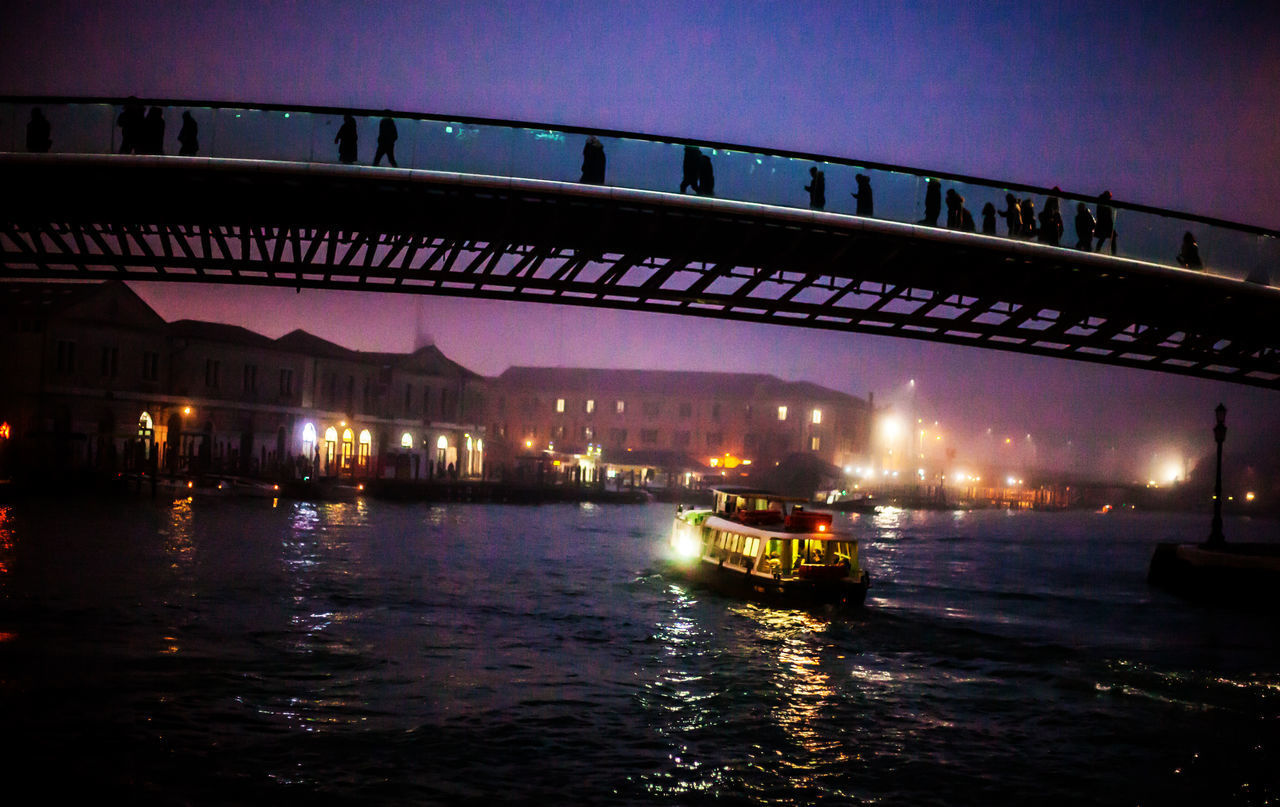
[(1219, 434)]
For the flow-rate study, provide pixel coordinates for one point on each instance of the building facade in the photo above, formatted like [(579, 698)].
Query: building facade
[(96, 380), (708, 420)]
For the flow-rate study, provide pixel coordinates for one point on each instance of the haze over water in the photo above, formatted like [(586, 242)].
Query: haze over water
[(228, 652)]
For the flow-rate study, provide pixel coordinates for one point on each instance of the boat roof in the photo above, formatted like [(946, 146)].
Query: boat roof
[(742, 490)]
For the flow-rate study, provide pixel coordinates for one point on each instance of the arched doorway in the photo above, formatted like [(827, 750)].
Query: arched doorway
[(330, 451), (348, 452), (365, 452), (309, 453)]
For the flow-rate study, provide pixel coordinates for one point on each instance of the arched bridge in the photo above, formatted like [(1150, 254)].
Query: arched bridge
[(496, 209)]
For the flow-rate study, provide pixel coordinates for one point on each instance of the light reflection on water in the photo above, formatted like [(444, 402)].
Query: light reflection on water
[(6, 541), (686, 695)]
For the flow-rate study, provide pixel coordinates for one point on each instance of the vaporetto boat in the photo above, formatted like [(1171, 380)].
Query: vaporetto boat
[(762, 546)]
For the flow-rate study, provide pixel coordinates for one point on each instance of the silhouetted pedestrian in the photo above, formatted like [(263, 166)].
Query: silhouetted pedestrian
[(188, 136), (387, 136), (988, 219), (1028, 210), (346, 140), (966, 218), (1189, 256), (954, 202), (1084, 227), (817, 188), (39, 133), (1051, 222), (593, 162), (692, 166), (153, 132), (706, 177), (1012, 215), (1105, 230), (865, 205), (932, 202), (132, 120)]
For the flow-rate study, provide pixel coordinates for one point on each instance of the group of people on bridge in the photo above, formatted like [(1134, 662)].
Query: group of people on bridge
[(143, 133)]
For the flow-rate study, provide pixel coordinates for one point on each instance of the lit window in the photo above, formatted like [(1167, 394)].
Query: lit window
[(591, 405), (443, 442), (559, 404), (817, 416), (620, 407), (406, 440), (813, 443), (782, 413)]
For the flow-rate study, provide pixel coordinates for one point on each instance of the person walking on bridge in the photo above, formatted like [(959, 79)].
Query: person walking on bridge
[(1051, 223), (932, 202), (863, 196), (1084, 227), (706, 176), (346, 140), (188, 140), (817, 188), (153, 132), (593, 162), (1106, 228), (387, 136), (39, 133), (1190, 254), (1012, 215), (131, 122), (692, 165)]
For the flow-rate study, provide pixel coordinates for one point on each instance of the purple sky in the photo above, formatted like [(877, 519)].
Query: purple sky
[(1173, 106)]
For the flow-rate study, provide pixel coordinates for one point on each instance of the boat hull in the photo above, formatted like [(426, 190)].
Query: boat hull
[(790, 593)]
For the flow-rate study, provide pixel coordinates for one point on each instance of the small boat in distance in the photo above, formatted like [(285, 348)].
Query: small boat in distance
[(751, 545)]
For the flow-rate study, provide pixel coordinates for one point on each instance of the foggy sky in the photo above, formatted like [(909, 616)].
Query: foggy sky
[(1174, 107)]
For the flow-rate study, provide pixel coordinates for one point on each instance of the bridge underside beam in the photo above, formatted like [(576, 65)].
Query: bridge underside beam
[(549, 242)]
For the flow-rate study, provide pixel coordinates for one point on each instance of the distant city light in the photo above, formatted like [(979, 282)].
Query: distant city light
[(892, 427), (1248, 497)]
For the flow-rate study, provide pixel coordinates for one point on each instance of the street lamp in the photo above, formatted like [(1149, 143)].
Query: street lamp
[(1219, 434)]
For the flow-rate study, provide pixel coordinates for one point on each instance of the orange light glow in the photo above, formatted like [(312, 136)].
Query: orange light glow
[(4, 430)]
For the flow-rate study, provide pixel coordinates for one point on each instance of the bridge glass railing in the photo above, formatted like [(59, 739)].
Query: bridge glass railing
[(508, 149)]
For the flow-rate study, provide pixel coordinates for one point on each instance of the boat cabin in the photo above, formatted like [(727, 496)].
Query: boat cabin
[(778, 537), (759, 508), (803, 556)]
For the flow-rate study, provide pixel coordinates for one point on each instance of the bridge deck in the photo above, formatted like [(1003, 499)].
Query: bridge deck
[(356, 227)]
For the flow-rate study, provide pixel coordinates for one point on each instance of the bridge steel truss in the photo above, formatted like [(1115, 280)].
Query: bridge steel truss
[(376, 229)]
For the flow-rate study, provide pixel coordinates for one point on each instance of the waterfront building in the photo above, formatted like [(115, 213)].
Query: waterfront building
[(95, 380), (681, 423)]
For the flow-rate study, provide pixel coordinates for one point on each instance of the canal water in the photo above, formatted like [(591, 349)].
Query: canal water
[(243, 652)]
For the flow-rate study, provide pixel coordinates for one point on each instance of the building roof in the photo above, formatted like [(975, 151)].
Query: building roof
[(428, 360), (111, 303), (299, 341), (218, 332)]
